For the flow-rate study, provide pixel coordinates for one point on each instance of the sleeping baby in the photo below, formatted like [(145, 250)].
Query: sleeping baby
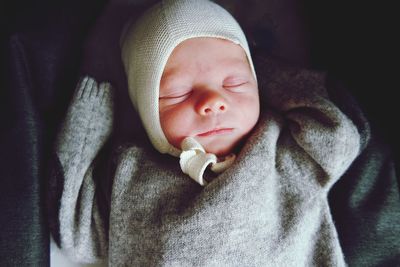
[(239, 169)]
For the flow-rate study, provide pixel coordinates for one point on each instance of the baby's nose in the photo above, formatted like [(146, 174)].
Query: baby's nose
[(212, 103)]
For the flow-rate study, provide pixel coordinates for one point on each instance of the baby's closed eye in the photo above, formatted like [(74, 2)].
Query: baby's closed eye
[(175, 97), (235, 84)]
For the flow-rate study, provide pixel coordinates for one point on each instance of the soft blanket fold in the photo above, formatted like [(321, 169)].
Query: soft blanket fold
[(269, 208)]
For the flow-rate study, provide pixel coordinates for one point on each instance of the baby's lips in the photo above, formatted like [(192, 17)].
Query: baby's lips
[(216, 131)]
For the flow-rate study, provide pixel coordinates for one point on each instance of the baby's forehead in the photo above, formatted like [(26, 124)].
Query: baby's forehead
[(205, 43), (206, 50)]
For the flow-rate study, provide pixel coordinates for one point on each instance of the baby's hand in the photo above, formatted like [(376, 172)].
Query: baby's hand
[(87, 125)]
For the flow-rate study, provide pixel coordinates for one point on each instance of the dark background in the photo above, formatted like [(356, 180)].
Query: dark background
[(41, 51), (354, 40)]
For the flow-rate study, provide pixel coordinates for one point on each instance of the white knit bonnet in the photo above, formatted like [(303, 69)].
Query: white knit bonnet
[(147, 44)]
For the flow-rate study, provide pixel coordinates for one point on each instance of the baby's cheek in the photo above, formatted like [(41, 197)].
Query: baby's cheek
[(174, 124), (249, 111)]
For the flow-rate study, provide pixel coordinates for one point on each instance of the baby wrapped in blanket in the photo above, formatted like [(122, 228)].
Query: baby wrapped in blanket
[(235, 179)]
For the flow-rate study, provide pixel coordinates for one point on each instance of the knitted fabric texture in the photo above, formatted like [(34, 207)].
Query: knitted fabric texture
[(147, 44), (269, 208)]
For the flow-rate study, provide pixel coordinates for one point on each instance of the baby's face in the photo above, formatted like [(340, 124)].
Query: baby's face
[(208, 91)]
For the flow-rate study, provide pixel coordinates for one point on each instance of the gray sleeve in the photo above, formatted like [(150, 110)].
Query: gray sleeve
[(317, 125), (325, 133), (87, 126)]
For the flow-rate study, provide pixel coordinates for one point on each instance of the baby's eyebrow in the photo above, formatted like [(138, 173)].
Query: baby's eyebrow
[(173, 77), (169, 83), (168, 72), (237, 62)]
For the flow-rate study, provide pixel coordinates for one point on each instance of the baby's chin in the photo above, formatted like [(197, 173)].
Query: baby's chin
[(218, 146), (221, 150)]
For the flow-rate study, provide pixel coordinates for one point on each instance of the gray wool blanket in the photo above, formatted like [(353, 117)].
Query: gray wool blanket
[(269, 209)]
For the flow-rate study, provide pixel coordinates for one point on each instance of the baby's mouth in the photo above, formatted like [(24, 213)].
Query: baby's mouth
[(217, 131)]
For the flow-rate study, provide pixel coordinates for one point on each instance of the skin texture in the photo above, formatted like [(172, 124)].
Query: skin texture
[(208, 91)]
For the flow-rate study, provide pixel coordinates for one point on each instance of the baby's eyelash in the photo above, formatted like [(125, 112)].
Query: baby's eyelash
[(234, 81), (175, 96), (235, 84)]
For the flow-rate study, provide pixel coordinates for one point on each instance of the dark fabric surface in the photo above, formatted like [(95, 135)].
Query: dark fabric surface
[(41, 54), (22, 221), (365, 202), (45, 51), (365, 205)]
